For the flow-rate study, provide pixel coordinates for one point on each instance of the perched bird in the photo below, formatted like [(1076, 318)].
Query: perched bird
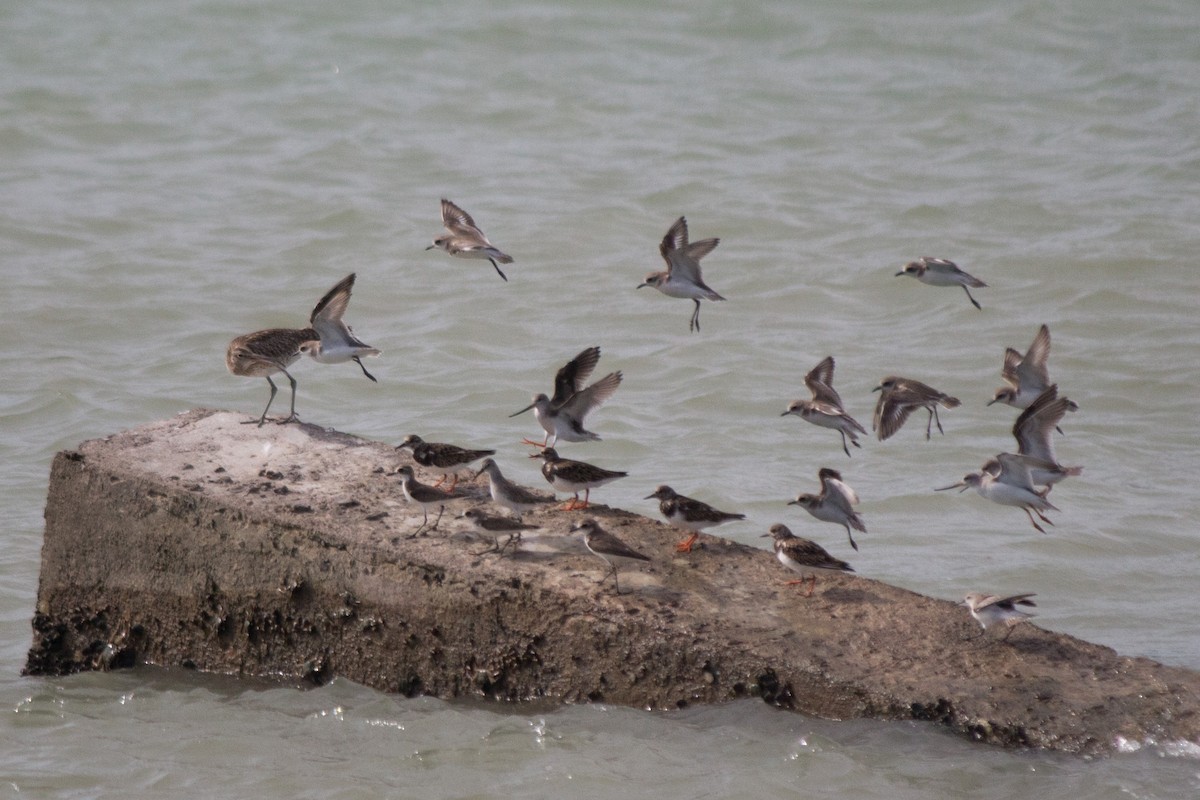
[(682, 278), (516, 499), (562, 415), (442, 459), (1034, 442), (263, 353), (425, 496), (899, 397), (607, 546), (988, 609), (691, 515), (802, 555), (488, 525), (464, 239), (1027, 376), (1007, 480), (566, 475), (835, 503), (825, 408), (336, 342), (940, 272)]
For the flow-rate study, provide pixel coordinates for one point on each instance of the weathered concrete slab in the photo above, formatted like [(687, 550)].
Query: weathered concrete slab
[(280, 551)]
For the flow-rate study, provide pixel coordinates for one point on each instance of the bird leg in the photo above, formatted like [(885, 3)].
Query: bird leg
[(686, 545), (532, 443), (1029, 514), (853, 543), (292, 416), (844, 447), (358, 361), (974, 302), (694, 325), (270, 399), (494, 264), (441, 510), (441, 480), (421, 527)]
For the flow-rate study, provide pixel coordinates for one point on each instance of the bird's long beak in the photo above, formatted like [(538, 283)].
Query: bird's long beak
[(764, 536), (898, 274), (431, 247), (522, 411), (877, 389), (640, 285), (650, 497), (784, 414), (993, 400), (793, 502), (952, 486)]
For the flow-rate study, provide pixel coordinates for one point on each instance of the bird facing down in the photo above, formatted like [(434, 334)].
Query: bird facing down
[(507, 494), (940, 272), (562, 415), (835, 503), (566, 475), (1007, 480), (607, 546), (803, 555), (486, 524), (825, 409), (442, 459), (263, 353), (682, 277), (464, 239), (691, 515), (899, 397), (1035, 443), (336, 342), (988, 609)]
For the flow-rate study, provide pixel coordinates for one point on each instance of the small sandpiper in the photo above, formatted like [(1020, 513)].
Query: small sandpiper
[(825, 409), (1035, 442), (803, 555), (425, 496), (336, 342), (464, 239), (899, 397), (835, 503), (566, 475), (562, 416), (263, 353), (682, 278), (988, 609), (486, 524), (441, 459), (940, 272), (691, 515), (607, 546), (1027, 375), (1007, 480), (515, 498)]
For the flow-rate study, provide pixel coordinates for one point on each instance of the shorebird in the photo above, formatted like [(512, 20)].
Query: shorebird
[(488, 525), (899, 397), (441, 459), (566, 475), (988, 609), (940, 272), (336, 342), (825, 409), (464, 239), (423, 495), (263, 353), (1034, 441), (691, 515), (1007, 480), (516, 499), (607, 546), (802, 555), (682, 278), (1027, 376), (835, 503), (562, 415)]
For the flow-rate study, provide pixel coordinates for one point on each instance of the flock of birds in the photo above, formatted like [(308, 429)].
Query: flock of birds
[(1023, 479)]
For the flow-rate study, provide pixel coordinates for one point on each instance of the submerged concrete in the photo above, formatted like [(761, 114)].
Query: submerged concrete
[(282, 551)]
